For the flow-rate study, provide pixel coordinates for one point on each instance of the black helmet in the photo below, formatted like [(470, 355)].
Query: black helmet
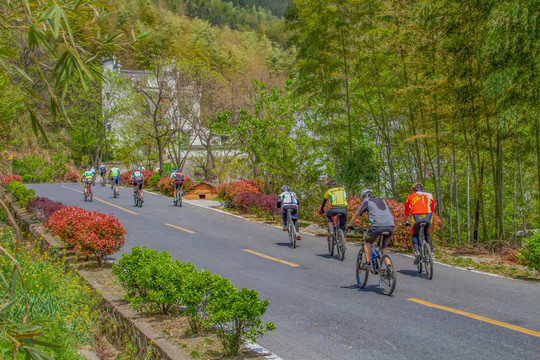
[(365, 193), (285, 188), (331, 183), (417, 187)]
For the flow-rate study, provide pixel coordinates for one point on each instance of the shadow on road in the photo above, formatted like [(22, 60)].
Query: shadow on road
[(413, 273), (369, 287), (287, 244), (326, 256)]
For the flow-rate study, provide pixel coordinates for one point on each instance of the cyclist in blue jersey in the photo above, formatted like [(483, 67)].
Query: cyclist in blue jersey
[(288, 200)]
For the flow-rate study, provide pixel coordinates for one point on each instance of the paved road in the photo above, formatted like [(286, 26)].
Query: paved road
[(319, 311)]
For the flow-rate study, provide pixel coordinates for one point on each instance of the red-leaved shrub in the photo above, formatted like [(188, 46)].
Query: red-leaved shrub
[(165, 186), (402, 235), (228, 191), (43, 207), (72, 177), (6, 179), (87, 232), (255, 203), (125, 178)]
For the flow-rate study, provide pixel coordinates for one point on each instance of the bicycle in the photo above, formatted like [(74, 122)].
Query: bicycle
[(115, 190), (137, 198), (336, 239), (380, 264), (177, 201), (103, 181), (426, 256), (293, 234), (88, 195)]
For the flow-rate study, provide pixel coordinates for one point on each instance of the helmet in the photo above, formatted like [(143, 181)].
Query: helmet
[(139, 168), (285, 188), (331, 183), (417, 187), (88, 169), (175, 169), (365, 193)]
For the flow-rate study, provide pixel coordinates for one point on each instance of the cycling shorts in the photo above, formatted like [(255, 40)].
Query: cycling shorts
[(340, 211), (418, 219), (375, 232), (115, 179), (177, 184), (138, 184), (103, 172), (88, 180)]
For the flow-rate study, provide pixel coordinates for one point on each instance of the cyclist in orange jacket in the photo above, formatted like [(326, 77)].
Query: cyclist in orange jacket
[(420, 206)]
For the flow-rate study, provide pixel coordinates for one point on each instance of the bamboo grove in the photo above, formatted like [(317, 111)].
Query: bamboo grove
[(439, 91)]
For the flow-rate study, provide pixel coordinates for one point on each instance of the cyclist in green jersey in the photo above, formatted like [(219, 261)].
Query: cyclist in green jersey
[(338, 199), (88, 178), (114, 175)]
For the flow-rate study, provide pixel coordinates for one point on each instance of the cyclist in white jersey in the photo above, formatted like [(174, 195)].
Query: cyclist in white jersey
[(288, 200)]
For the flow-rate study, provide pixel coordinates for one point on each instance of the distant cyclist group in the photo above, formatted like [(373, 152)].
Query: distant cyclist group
[(137, 180)]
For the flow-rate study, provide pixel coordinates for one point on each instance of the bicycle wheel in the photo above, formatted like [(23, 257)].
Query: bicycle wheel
[(175, 200), (136, 199), (427, 259), (290, 229), (330, 240), (340, 244), (361, 274), (114, 192), (140, 200), (90, 196), (387, 276), (419, 265), (180, 194)]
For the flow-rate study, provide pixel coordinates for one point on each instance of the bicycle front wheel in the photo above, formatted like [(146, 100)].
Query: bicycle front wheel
[(427, 259), (340, 244), (387, 275), (361, 274)]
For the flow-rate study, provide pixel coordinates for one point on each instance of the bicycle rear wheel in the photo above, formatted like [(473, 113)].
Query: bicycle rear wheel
[(290, 229), (330, 240), (361, 274), (136, 199), (427, 259), (340, 244), (90, 196), (180, 194), (140, 200), (387, 275), (419, 265)]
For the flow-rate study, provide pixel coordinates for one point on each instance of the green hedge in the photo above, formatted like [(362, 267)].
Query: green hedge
[(35, 169), (21, 192)]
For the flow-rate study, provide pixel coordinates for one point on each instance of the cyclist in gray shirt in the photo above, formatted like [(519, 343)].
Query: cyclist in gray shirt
[(380, 218)]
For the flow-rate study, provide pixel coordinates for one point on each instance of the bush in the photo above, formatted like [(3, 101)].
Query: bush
[(152, 280), (125, 178), (238, 313), (43, 207), (529, 255), (256, 203), (21, 192), (6, 179), (164, 186), (153, 181), (402, 235), (72, 177), (88, 232), (228, 191)]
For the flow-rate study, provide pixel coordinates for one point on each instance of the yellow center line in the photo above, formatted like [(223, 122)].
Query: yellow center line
[(478, 317), (180, 228), (272, 258), (103, 201)]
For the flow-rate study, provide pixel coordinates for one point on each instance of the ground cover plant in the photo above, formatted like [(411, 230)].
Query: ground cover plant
[(21, 192), (529, 255), (35, 169), (228, 191), (72, 177), (87, 232), (43, 207), (54, 306), (6, 179), (259, 204)]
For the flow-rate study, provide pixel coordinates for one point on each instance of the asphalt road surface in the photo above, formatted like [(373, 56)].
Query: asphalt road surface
[(319, 311)]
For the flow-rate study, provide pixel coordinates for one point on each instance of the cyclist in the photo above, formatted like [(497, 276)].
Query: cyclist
[(178, 179), (114, 175), (420, 206), (138, 179), (381, 220), (102, 171), (338, 200), (288, 200), (88, 178)]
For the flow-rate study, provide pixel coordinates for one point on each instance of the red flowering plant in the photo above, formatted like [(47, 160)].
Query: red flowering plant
[(43, 207), (228, 191), (166, 187), (6, 179), (72, 177), (125, 178), (256, 203), (402, 235), (88, 232)]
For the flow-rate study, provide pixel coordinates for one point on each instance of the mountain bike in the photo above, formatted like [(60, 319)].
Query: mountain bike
[(115, 190), (426, 256), (137, 198), (177, 201), (293, 234), (336, 239), (103, 181), (380, 264), (88, 195)]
